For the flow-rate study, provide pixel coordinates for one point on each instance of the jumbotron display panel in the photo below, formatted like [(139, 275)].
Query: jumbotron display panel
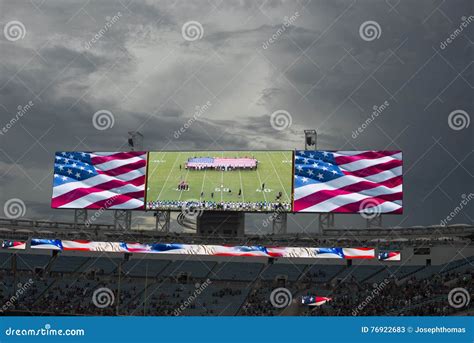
[(249, 181), (99, 180), (369, 182)]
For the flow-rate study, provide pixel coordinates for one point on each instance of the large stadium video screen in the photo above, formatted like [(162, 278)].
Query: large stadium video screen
[(99, 180), (366, 182), (249, 181)]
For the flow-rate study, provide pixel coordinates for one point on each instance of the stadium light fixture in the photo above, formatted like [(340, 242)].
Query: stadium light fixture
[(310, 142), (135, 140)]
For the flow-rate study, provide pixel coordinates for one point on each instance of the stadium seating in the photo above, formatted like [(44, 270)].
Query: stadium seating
[(292, 271), (196, 269), (236, 271), (68, 263), (428, 271), (360, 273), (461, 264), (148, 286), (143, 267), (397, 272), (29, 262), (5, 260), (102, 265), (323, 273)]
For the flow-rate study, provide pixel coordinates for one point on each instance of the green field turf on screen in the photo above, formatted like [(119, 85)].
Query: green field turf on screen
[(167, 169)]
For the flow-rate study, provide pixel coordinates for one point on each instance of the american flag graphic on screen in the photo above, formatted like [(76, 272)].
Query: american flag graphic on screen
[(348, 181), (94, 180)]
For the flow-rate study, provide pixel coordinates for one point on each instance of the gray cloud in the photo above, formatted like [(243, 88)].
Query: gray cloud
[(319, 70)]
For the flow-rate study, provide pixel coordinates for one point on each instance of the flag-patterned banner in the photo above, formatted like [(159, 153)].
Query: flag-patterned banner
[(13, 245), (46, 244), (201, 249), (99, 180), (348, 181), (390, 256), (312, 300)]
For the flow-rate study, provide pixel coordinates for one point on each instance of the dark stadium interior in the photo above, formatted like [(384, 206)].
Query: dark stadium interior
[(62, 283), (237, 158)]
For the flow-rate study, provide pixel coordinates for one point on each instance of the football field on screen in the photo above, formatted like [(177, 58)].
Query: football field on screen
[(166, 170)]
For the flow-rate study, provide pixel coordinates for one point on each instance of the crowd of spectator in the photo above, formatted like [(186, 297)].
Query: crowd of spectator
[(413, 297), (69, 294), (264, 206)]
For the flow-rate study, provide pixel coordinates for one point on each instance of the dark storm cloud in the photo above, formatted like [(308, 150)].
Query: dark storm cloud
[(319, 69)]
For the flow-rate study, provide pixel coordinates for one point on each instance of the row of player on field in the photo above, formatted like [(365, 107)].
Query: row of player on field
[(258, 206), (184, 186)]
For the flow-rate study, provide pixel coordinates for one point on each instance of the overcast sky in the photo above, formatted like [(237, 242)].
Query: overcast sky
[(63, 61)]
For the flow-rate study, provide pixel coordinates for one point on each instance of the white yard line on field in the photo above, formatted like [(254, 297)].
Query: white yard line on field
[(241, 186), (203, 181), (169, 174), (222, 180), (261, 183), (278, 176), (153, 172)]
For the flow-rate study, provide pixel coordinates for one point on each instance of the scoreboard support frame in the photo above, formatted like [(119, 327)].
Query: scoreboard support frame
[(280, 223), (123, 220), (162, 221), (375, 222), (80, 218), (326, 221)]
